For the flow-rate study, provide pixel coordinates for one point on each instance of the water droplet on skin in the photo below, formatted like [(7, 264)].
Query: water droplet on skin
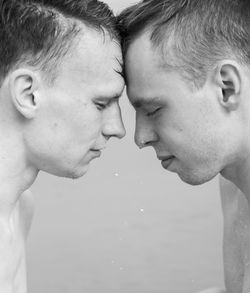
[(142, 210), (116, 174), (121, 268)]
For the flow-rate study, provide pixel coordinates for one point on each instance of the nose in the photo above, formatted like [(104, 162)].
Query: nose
[(113, 126), (144, 133)]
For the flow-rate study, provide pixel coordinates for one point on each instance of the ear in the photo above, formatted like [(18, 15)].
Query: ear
[(228, 77), (23, 84)]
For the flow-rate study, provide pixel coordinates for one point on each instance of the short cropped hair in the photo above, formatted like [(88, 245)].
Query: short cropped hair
[(192, 35), (40, 32)]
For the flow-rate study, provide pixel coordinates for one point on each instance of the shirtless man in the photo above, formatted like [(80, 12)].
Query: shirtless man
[(61, 78), (187, 66)]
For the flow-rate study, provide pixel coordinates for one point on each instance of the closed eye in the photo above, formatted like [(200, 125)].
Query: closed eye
[(152, 113), (101, 106)]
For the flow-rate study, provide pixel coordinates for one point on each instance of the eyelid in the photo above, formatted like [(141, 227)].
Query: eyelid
[(101, 105), (104, 103), (153, 112)]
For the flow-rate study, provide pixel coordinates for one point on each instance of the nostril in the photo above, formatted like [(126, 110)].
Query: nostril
[(141, 143)]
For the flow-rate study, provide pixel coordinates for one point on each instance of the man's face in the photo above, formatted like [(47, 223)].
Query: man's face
[(185, 126), (80, 111)]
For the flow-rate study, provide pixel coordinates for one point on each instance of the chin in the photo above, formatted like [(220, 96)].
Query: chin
[(196, 179), (77, 173), (74, 173)]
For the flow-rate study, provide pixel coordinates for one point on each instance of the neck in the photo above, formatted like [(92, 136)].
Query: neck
[(239, 174), (16, 175)]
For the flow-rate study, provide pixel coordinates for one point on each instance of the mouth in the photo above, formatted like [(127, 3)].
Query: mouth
[(166, 161), (96, 153)]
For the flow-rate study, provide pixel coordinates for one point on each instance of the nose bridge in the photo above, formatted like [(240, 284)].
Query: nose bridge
[(113, 125), (143, 131)]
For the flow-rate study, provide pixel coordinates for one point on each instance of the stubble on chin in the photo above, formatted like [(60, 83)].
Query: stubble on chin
[(195, 179)]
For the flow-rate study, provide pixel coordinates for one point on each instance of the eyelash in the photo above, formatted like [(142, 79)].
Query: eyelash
[(149, 114), (100, 106)]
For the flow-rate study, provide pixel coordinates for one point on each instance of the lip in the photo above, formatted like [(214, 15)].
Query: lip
[(163, 158), (166, 161)]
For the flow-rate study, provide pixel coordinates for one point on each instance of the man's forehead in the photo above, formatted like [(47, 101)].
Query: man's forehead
[(141, 48), (141, 65), (120, 67), (97, 59)]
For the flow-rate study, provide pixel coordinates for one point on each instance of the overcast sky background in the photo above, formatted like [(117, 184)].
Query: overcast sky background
[(128, 226)]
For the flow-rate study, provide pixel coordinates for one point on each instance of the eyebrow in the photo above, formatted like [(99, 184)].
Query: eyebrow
[(141, 102), (109, 98)]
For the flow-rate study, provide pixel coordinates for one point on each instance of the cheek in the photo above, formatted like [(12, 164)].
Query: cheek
[(189, 137), (203, 147), (87, 128), (175, 131)]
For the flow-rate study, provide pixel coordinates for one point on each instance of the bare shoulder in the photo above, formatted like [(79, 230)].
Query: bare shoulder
[(26, 205)]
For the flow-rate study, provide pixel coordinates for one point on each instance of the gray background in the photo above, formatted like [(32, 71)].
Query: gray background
[(126, 226)]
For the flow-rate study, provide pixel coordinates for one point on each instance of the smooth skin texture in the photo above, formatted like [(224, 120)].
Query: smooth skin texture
[(236, 238), (58, 128), (198, 133)]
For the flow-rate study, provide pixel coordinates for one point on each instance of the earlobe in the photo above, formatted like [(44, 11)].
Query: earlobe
[(229, 80), (23, 84)]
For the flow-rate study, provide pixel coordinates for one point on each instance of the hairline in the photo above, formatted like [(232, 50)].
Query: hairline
[(169, 60), (69, 28), (165, 42), (160, 48), (50, 67)]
